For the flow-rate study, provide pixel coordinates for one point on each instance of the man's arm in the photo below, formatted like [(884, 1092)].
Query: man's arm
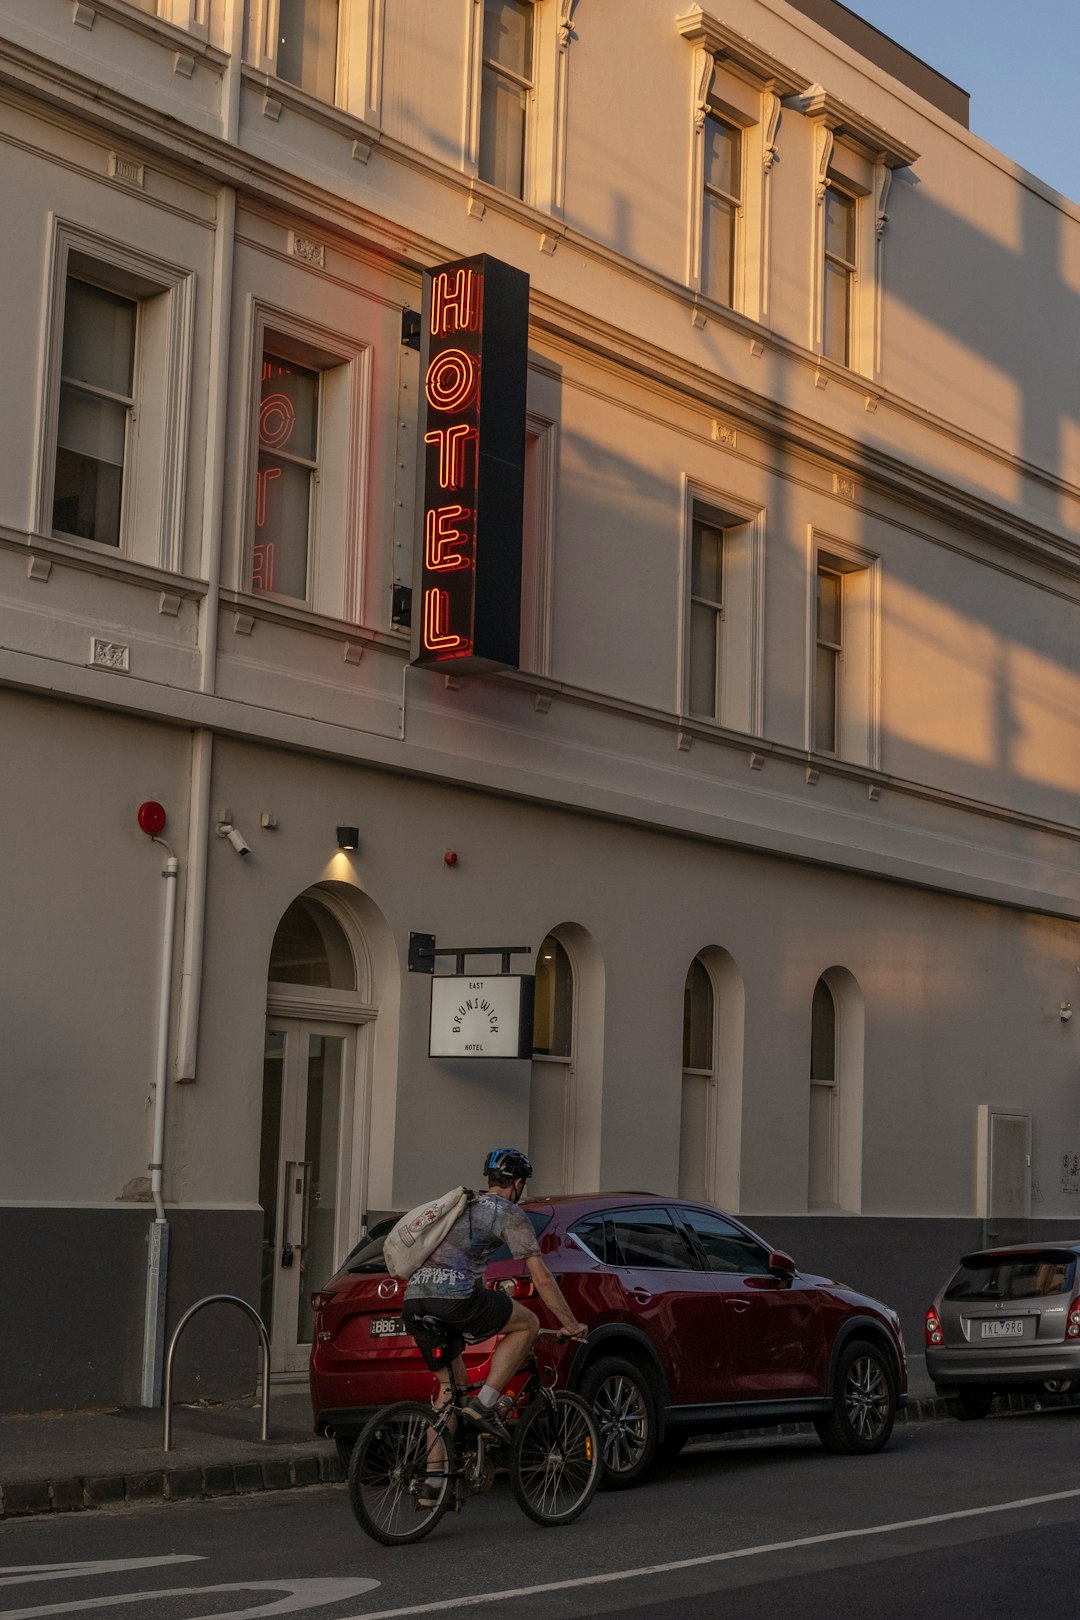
[(552, 1296)]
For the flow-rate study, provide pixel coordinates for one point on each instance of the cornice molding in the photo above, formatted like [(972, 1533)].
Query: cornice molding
[(835, 115), (699, 27)]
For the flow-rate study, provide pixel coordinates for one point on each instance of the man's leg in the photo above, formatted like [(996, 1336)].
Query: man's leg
[(519, 1334)]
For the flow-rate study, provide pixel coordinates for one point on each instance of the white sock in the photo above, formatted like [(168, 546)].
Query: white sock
[(488, 1395)]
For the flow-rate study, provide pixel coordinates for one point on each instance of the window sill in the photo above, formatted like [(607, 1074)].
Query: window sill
[(105, 561), (168, 34), (275, 610)]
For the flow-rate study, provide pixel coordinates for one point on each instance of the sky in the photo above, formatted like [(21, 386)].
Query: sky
[(1019, 61)]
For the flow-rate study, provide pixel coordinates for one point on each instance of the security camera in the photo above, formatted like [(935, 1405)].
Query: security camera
[(235, 837)]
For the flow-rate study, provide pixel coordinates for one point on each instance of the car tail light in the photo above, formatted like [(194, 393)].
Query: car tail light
[(1072, 1321), (320, 1299), (516, 1287), (934, 1334)]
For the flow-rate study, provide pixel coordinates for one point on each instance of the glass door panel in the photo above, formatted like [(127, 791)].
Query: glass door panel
[(325, 1064), (306, 1098)]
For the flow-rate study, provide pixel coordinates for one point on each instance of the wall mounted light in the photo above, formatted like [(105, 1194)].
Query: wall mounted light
[(348, 838), (1064, 1011)]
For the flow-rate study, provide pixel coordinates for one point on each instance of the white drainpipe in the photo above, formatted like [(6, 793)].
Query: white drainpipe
[(157, 1270)]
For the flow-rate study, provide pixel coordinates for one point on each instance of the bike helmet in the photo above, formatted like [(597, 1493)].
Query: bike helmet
[(509, 1163)]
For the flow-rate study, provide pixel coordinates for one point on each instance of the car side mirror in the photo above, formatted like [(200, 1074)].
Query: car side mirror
[(781, 1264)]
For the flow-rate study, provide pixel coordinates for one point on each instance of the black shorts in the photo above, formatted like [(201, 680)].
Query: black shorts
[(469, 1319)]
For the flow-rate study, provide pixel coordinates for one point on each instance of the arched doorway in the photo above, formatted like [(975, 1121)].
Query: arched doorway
[(313, 1113)]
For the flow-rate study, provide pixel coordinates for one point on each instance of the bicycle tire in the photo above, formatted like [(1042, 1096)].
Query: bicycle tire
[(555, 1459), (388, 1467)]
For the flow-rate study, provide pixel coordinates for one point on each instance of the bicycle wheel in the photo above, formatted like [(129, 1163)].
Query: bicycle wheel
[(555, 1458), (390, 1477)]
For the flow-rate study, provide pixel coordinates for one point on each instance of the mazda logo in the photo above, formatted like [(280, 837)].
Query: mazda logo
[(387, 1289)]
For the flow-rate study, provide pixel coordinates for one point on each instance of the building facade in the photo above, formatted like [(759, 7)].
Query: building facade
[(783, 797)]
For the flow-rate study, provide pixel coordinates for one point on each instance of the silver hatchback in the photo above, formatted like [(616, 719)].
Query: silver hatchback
[(1008, 1319)]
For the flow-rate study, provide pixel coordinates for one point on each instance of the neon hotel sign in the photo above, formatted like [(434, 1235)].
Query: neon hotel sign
[(474, 358)]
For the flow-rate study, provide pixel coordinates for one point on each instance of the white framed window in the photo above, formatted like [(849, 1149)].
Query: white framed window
[(721, 674), (736, 105), (697, 1128), (538, 548), (828, 649), (721, 221), (117, 378), (506, 93), (287, 477), (844, 638), (839, 271), (304, 507), (834, 1146), (304, 43), (854, 164), (306, 48), (515, 105), (822, 1190)]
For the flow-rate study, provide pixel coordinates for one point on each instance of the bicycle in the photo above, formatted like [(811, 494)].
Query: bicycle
[(413, 1462)]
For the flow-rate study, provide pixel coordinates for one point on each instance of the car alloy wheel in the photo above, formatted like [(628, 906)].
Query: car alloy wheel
[(863, 1402), (625, 1416), (866, 1396)]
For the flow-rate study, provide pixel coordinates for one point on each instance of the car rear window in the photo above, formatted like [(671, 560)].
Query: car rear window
[(539, 1219), (1018, 1276), (368, 1255)]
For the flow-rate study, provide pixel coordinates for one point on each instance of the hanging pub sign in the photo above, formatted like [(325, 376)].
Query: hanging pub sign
[(474, 362), (478, 1016)]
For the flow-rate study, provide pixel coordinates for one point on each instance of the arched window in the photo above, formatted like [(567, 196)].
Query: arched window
[(823, 1188), (310, 948), (697, 1126), (553, 1018), (551, 1092)]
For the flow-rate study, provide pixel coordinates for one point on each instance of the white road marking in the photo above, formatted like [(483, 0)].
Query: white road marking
[(299, 1594), (17, 1574), (710, 1558)]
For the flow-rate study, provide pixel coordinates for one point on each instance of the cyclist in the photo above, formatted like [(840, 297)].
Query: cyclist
[(450, 1285)]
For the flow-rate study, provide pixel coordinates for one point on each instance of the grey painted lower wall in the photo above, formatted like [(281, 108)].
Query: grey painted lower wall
[(72, 1326), (900, 1259)]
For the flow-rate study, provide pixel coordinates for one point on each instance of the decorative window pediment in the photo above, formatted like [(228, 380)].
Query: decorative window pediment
[(844, 122), (699, 27)]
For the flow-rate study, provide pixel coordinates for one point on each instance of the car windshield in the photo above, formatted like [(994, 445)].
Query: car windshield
[(1019, 1276), (368, 1255)]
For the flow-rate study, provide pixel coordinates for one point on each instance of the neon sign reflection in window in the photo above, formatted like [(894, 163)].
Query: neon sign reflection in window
[(287, 464)]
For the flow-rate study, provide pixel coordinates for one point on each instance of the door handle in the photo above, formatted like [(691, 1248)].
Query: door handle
[(740, 1305), (642, 1295)]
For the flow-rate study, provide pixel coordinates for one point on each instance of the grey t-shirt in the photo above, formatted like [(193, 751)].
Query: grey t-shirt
[(457, 1265)]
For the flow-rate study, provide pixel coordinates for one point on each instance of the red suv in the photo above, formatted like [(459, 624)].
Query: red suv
[(695, 1326)]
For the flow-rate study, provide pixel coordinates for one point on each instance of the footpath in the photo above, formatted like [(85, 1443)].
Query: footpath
[(59, 1462)]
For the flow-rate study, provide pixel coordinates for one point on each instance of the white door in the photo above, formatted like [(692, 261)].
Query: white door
[(1004, 1175), (308, 1070)]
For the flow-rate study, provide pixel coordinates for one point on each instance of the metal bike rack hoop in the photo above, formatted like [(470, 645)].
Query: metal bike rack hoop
[(264, 1340)]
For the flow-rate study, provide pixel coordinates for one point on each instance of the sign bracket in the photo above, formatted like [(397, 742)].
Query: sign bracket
[(423, 952)]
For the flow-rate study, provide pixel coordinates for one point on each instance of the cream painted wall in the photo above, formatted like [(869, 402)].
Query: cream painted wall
[(585, 798)]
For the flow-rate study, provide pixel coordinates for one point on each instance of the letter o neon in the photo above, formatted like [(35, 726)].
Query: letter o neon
[(451, 380)]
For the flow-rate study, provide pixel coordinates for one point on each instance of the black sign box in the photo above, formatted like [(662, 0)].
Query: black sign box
[(474, 366)]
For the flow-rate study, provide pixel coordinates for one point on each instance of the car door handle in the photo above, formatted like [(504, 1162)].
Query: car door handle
[(739, 1305), (642, 1295)]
